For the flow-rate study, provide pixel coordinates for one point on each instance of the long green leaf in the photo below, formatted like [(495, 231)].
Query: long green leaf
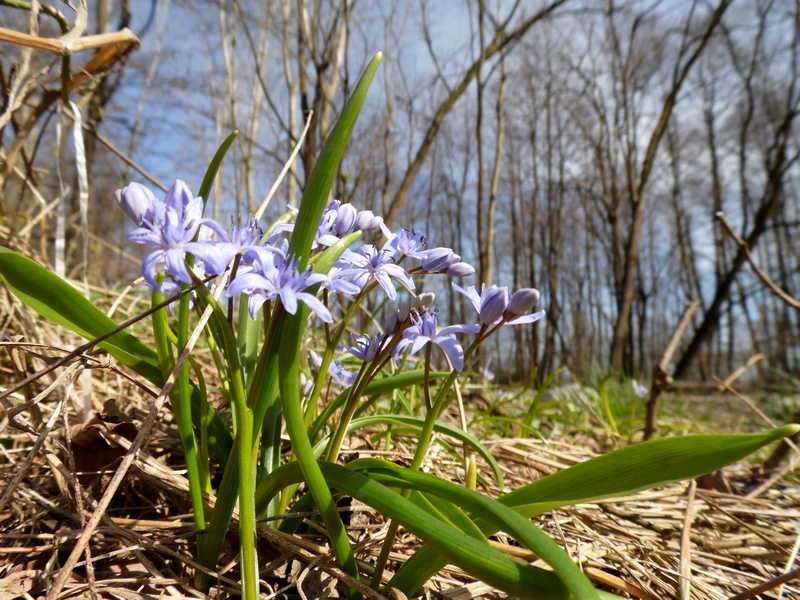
[(320, 181), (213, 166), (499, 515), (474, 556), (639, 467), (618, 473), (292, 327), (58, 301)]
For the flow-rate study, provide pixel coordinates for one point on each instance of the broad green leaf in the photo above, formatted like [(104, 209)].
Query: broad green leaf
[(639, 467), (474, 556), (618, 473), (56, 300)]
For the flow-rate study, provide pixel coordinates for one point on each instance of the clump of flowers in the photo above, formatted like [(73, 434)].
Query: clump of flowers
[(273, 284), (181, 239)]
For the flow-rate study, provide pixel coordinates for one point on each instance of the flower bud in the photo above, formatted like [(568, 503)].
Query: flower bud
[(461, 269), (137, 202), (494, 301), (437, 260), (424, 300), (392, 324), (522, 301), (345, 219), (178, 196), (366, 221)]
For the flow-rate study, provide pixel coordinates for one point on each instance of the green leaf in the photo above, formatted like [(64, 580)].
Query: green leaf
[(473, 555), (56, 300), (292, 327), (440, 427), (618, 473), (213, 167), (639, 467), (320, 182)]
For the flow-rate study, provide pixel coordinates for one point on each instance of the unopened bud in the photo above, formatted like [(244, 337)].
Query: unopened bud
[(345, 219), (494, 301), (424, 300), (137, 202), (461, 269), (522, 301), (437, 260), (366, 221)]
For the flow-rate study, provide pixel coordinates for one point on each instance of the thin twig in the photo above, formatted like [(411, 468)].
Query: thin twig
[(92, 343), (767, 585), (662, 381), (765, 279), (263, 206)]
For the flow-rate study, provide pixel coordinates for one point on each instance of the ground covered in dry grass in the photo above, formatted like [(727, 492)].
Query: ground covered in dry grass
[(721, 537)]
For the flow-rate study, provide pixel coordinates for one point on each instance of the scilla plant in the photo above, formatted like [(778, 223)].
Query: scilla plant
[(282, 300)]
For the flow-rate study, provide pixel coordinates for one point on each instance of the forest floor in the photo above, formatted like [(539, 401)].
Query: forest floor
[(716, 538)]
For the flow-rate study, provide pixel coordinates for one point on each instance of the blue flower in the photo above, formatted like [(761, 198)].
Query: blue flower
[(408, 242), (269, 281), (378, 264), (366, 347), (170, 226), (340, 375), (425, 330), (640, 390), (490, 304), (216, 256)]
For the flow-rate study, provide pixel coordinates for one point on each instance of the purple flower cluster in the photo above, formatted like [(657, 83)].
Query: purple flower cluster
[(175, 230)]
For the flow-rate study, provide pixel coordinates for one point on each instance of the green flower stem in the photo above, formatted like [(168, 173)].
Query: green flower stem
[(182, 407), (347, 413), (425, 436), (262, 388), (365, 376), (327, 356), (243, 418), (203, 461), (289, 363)]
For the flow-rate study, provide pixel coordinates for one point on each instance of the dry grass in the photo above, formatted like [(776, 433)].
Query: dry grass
[(709, 541)]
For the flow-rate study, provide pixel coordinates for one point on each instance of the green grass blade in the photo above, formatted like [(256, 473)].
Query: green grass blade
[(440, 427)]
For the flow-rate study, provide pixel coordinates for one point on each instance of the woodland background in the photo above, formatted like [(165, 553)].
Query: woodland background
[(580, 147)]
